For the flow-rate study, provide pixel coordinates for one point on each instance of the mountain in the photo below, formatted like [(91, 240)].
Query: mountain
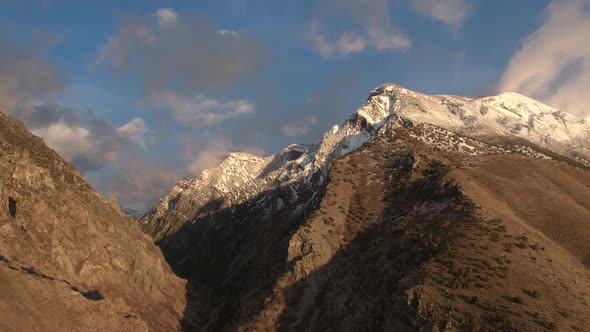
[(242, 176), (419, 212), (68, 259), (135, 214)]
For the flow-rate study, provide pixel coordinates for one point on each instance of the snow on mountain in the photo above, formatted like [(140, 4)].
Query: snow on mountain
[(241, 177), (507, 114)]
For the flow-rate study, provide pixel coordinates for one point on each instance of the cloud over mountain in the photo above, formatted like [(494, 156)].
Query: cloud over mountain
[(553, 63)]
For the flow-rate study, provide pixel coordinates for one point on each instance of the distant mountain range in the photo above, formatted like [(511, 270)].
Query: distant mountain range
[(135, 214)]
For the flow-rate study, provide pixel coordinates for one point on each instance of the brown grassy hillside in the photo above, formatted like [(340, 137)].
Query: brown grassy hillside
[(454, 236)]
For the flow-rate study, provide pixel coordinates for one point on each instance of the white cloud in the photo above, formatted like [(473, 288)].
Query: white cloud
[(227, 32), (450, 12), (203, 111), (71, 142), (553, 64), (349, 42), (373, 28), (80, 137), (166, 16), (136, 131)]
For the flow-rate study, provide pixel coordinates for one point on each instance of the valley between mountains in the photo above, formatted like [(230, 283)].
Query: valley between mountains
[(418, 213)]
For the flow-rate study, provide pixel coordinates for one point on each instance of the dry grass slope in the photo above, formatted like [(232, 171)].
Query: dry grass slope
[(413, 237)]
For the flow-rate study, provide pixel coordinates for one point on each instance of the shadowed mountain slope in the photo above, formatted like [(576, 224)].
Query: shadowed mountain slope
[(419, 229)]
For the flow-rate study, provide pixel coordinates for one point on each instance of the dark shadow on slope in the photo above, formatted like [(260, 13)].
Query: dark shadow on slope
[(232, 257)]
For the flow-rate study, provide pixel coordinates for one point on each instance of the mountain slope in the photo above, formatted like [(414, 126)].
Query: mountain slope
[(406, 237), (275, 239), (68, 259)]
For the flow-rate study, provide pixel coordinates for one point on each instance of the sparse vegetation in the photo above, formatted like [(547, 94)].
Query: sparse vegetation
[(546, 324), (475, 300), (476, 323), (516, 299), (495, 237), (532, 293)]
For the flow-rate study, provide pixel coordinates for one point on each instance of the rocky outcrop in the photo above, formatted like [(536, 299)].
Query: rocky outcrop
[(82, 257)]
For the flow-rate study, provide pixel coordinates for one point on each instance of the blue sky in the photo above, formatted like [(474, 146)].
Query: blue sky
[(139, 94)]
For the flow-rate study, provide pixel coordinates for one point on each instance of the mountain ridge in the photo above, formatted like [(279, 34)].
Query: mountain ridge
[(388, 106), (266, 234)]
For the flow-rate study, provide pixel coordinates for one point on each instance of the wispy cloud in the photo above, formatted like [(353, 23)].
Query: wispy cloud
[(203, 111), (166, 16), (450, 12), (553, 63), (136, 131), (372, 28)]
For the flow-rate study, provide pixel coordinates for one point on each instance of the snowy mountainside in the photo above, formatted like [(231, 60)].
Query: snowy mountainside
[(507, 114), (241, 176)]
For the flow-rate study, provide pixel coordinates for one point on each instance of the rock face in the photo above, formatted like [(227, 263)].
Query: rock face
[(69, 259), (311, 238)]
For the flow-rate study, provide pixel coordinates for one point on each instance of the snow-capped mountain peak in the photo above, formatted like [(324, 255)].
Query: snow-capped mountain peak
[(241, 177)]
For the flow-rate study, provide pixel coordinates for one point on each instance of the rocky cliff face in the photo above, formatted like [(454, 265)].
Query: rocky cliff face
[(69, 259), (268, 236)]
